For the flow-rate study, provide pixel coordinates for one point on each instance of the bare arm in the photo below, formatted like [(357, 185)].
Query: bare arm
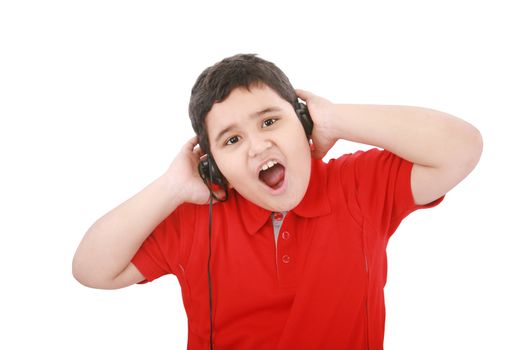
[(443, 148), (103, 258), (111, 242)]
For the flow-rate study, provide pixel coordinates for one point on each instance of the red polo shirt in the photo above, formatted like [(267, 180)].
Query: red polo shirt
[(321, 287)]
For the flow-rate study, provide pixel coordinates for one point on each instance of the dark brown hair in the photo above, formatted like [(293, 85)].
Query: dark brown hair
[(216, 83)]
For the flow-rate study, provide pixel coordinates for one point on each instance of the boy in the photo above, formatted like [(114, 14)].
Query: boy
[(298, 249)]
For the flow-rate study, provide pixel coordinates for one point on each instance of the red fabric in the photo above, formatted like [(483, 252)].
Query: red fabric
[(322, 288)]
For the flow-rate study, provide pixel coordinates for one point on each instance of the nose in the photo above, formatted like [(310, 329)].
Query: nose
[(258, 145)]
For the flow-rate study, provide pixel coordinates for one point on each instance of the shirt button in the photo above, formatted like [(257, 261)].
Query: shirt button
[(285, 235), (278, 216), (286, 259)]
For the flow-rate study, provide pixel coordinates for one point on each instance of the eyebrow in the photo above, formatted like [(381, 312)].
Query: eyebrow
[(252, 116)]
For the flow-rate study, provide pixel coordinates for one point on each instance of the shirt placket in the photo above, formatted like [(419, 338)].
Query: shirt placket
[(286, 253)]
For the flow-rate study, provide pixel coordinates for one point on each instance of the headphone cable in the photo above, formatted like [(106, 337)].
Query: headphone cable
[(209, 261)]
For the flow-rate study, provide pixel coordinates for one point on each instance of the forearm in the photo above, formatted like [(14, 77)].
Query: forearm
[(420, 135), (111, 242)]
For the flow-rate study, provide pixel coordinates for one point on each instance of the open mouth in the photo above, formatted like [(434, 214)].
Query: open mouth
[(273, 177)]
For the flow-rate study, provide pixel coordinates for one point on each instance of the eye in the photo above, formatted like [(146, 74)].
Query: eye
[(232, 140), (269, 122)]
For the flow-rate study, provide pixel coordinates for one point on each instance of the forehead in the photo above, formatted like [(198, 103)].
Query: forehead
[(240, 104)]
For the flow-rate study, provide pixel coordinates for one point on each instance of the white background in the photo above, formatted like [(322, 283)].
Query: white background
[(93, 106)]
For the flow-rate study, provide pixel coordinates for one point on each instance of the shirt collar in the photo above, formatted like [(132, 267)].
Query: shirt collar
[(314, 203)]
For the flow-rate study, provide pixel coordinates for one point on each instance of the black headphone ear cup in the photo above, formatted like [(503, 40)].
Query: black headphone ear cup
[(218, 178), (304, 116), (204, 171)]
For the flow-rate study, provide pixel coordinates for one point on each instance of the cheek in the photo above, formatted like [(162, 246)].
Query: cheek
[(230, 168), (299, 145)]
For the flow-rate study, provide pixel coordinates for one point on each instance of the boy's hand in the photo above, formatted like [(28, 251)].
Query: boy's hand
[(321, 110), (184, 175)]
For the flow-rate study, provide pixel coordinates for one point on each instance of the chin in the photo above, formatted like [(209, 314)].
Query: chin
[(288, 204), (282, 208)]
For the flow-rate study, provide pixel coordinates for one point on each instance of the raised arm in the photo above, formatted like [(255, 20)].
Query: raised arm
[(443, 148), (102, 259)]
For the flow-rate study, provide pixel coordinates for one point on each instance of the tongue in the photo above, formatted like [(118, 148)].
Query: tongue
[(273, 176)]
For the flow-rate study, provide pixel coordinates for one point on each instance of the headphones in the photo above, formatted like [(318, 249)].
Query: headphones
[(213, 178)]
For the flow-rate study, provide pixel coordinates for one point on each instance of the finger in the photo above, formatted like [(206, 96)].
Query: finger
[(191, 143), (197, 150), (199, 153), (317, 154), (194, 147), (303, 94)]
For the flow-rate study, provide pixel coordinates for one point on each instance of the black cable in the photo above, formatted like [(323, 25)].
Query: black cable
[(209, 260)]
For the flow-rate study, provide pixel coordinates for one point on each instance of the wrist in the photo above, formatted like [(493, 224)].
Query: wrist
[(341, 124), (173, 189), (332, 125)]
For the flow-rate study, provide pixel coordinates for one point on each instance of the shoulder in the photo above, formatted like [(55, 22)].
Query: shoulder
[(360, 161)]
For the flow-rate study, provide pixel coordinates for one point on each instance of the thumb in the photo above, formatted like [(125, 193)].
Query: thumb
[(303, 94), (318, 154)]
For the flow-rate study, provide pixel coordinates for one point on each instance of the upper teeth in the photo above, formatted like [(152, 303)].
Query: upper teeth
[(268, 165)]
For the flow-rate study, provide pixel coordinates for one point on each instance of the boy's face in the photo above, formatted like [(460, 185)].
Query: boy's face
[(241, 141)]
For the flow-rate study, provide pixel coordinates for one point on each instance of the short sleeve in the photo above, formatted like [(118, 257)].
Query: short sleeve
[(379, 182), (161, 252)]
